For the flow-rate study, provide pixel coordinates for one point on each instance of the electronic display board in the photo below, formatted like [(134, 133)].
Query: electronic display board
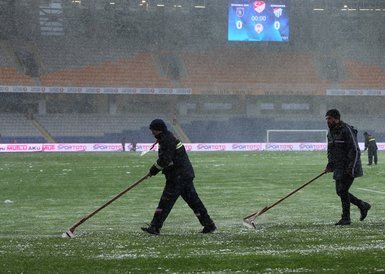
[(263, 21)]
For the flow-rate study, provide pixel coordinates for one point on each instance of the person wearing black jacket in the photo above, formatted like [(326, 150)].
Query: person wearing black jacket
[(371, 146), (174, 163), (344, 161)]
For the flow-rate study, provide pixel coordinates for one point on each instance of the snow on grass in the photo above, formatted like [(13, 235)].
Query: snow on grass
[(288, 238)]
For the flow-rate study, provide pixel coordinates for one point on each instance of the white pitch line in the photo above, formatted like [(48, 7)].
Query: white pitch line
[(371, 190)]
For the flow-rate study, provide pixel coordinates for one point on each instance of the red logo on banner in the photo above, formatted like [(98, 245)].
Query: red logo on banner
[(259, 6)]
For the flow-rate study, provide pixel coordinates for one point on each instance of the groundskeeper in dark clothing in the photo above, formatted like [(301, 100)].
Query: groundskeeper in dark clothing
[(345, 163), (174, 163), (371, 146)]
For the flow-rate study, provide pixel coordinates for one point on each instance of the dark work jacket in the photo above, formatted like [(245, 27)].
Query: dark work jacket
[(172, 157), (370, 143), (344, 155)]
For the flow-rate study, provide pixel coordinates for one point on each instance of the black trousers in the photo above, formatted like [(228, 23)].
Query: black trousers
[(372, 154), (342, 188), (184, 187)]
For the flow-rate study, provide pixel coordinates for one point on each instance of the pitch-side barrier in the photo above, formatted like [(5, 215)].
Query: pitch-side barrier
[(142, 147)]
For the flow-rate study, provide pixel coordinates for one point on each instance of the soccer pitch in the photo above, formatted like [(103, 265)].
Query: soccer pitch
[(42, 194)]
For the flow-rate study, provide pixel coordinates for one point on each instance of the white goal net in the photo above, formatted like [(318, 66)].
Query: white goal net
[(296, 135)]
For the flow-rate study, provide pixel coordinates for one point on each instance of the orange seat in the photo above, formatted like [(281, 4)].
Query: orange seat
[(360, 75), (10, 76), (140, 71)]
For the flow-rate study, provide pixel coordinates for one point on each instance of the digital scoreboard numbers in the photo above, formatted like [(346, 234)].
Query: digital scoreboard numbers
[(263, 21)]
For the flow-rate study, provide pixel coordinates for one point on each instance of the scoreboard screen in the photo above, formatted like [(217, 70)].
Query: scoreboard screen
[(263, 21)]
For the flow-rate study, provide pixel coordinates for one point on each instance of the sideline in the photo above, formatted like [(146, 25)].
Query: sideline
[(371, 190)]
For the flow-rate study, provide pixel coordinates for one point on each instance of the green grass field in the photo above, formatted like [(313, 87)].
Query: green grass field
[(42, 194)]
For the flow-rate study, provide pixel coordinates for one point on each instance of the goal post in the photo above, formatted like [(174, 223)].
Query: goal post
[(296, 135)]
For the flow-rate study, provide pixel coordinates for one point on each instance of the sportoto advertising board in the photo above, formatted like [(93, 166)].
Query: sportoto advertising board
[(141, 147)]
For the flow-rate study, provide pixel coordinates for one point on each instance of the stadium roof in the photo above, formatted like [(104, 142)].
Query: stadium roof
[(188, 5)]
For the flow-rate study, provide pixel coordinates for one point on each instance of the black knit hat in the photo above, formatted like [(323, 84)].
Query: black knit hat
[(333, 113), (158, 124)]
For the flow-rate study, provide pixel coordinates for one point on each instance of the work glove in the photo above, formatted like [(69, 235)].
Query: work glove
[(329, 168), (153, 171)]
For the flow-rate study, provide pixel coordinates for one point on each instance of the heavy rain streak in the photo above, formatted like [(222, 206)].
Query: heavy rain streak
[(93, 71)]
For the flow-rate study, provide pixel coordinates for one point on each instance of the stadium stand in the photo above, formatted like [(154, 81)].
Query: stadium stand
[(4, 60), (85, 62), (280, 71), (17, 128), (88, 128), (80, 52), (222, 68), (245, 129), (10, 76), (229, 66), (139, 71), (254, 129), (359, 75), (94, 128), (159, 47)]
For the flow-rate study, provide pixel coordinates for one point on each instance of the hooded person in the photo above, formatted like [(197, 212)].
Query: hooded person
[(175, 164), (344, 161), (158, 124)]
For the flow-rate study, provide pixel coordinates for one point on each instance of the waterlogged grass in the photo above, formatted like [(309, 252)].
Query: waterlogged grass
[(42, 194)]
